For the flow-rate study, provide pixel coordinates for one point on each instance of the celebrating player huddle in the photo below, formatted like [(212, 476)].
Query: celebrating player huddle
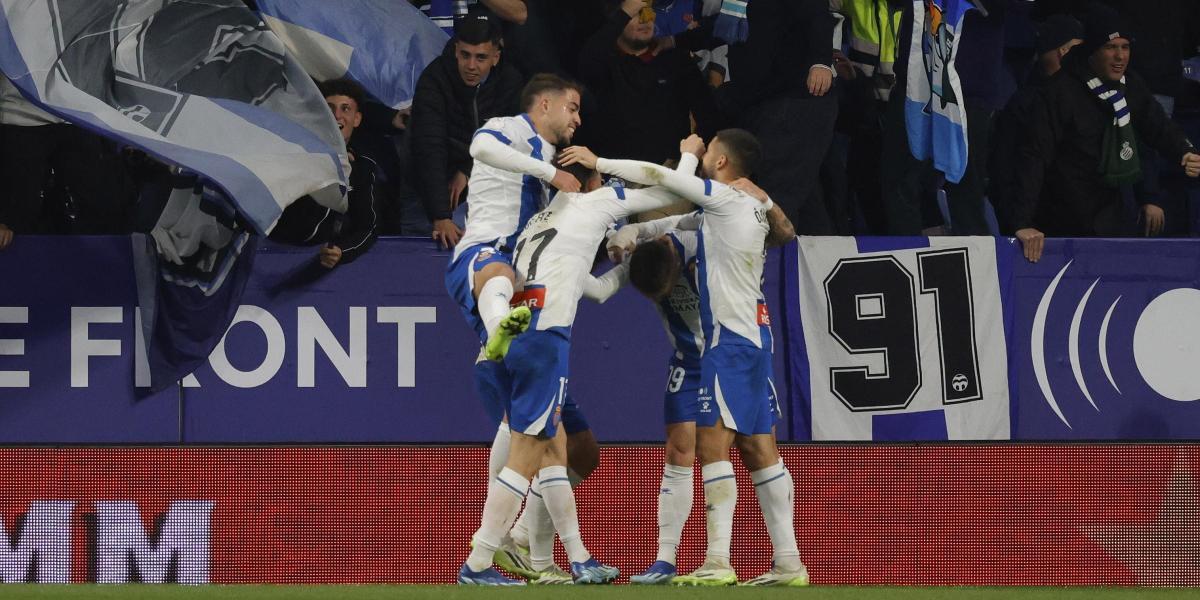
[(518, 274)]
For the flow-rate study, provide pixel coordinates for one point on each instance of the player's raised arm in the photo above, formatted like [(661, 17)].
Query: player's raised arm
[(599, 289), (684, 184), (491, 147), (626, 239)]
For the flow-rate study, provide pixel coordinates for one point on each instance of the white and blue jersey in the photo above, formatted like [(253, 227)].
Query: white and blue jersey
[(553, 259), (554, 254), (731, 251), (680, 310), (680, 313), (736, 366), (506, 188)]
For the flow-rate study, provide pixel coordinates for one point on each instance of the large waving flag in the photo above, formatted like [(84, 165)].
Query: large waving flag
[(205, 87), (199, 84), (384, 45), (933, 109)]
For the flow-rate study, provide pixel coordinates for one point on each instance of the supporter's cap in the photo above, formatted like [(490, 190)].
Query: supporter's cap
[(476, 27), (1056, 31), (1101, 25)]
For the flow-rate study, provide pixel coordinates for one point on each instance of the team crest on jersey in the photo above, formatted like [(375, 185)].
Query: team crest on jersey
[(484, 255)]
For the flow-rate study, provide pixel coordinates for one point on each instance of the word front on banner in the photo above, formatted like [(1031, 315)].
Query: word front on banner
[(345, 352)]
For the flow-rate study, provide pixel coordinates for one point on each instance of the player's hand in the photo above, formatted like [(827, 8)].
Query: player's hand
[(820, 80), (692, 144), (6, 236), (565, 182), (1191, 164), (578, 154), (446, 233), (1153, 219), (1032, 241), (458, 183), (746, 186), (632, 7), (622, 243), (330, 256)]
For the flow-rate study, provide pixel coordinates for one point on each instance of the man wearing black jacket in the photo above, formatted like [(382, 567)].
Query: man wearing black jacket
[(645, 92), (460, 90), (780, 79), (1080, 148), (1055, 39)]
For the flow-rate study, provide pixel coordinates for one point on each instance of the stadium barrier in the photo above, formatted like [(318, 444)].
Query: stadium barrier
[(99, 482), (891, 514), (877, 339)]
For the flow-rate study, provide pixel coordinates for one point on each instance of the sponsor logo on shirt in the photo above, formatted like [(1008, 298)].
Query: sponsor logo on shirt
[(532, 298)]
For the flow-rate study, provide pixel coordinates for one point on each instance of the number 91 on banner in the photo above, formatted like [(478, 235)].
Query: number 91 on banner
[(910, 330)]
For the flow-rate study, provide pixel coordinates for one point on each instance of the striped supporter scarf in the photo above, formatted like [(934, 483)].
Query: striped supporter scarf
[(1119, 163), (731, 25)]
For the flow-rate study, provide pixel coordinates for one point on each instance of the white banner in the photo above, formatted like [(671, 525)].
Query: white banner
[(916, 332)]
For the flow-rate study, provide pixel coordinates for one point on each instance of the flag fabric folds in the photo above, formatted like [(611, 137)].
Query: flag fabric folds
[(206, 88), (933, 109), (202, 85), (384, 45)]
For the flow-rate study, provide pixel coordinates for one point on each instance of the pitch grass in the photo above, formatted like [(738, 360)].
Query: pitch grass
[(623, 592)]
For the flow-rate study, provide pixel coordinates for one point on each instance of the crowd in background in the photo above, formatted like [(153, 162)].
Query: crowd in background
[(822, 83)]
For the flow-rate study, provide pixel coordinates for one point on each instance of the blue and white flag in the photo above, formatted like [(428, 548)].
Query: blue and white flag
[(199, 84), (205, 87), (933, 109), (384, 45)]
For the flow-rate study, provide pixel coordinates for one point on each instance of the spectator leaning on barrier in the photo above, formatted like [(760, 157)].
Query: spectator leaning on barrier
[(343, 237), (1055, 39), (645, 91), (1082, 144), (459, 91)]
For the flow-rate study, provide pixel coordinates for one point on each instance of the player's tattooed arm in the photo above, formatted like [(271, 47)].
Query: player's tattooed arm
[(781, 229)]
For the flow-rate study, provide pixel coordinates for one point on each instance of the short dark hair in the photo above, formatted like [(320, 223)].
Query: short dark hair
[(653, 269), (577, 170), (478, 26), (546, 82), (343, 87), (742, 149)]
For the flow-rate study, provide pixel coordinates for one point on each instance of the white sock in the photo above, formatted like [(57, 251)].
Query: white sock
[(498, 456), (720, 498), (540, 534), (520, 530), (560, 501), (775, 491), (499, 511), (674, 506), (493, 302)]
